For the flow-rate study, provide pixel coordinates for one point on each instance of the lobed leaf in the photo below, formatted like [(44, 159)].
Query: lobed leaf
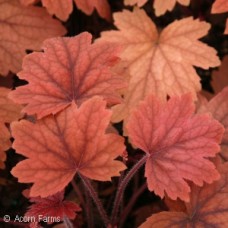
[(177, 144), (9, 111), (63, 8), (23, 28), (73, 141), (208, 207), (161, 6), (88, 6), (69, 69), (159, 64), (53, 206)]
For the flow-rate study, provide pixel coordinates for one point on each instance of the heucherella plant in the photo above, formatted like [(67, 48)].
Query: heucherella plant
[(97, 122)]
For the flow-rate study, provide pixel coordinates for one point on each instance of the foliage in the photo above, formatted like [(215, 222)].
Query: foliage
[(84, 113)]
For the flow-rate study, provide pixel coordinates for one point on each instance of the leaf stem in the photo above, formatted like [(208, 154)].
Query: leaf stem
[(122, 187), (95, 198), (131, 203), (78, 192)]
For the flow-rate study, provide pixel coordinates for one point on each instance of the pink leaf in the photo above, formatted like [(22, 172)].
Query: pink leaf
[(69, 69), (177, 143)]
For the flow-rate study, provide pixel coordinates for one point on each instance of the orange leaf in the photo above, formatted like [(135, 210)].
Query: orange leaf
[(23, 28), (88, 6), (160, 64), (61, 8), (60, 146), (68, 69), (176, 143), (9, 112), (162, 6), (133, 2), (208, 207), (221, 6)]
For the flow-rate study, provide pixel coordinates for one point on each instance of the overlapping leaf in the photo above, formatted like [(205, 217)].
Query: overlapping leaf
[(60, 146), (70, 69), (218, 107), (9, 112), (63, 8), (160, 6), (88, 6), (23, 28), (53, 206), (208, 207), (221, 6), (159, 64), (177, 143)]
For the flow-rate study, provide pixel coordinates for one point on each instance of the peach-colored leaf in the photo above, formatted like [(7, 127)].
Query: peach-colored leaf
[(58, 147), (218, 107), (23, 28), (88, 6), (160, 64), (162, 6), (68, 69), (177, 143), (220, 77), (133, 2), (208, 207), (53, 207), (60, 8), (9, 112), (220, 6)]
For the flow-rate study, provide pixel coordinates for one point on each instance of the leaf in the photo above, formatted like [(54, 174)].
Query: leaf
[(220, 77), (58, 147), (221, 6), (218, 107), (61, 8), (133, 2), (9, 112), (162, 6), (69, 69), (208, 207), (177, 143), (88, 6), (53, 206), (23, 28), (159, 64)]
